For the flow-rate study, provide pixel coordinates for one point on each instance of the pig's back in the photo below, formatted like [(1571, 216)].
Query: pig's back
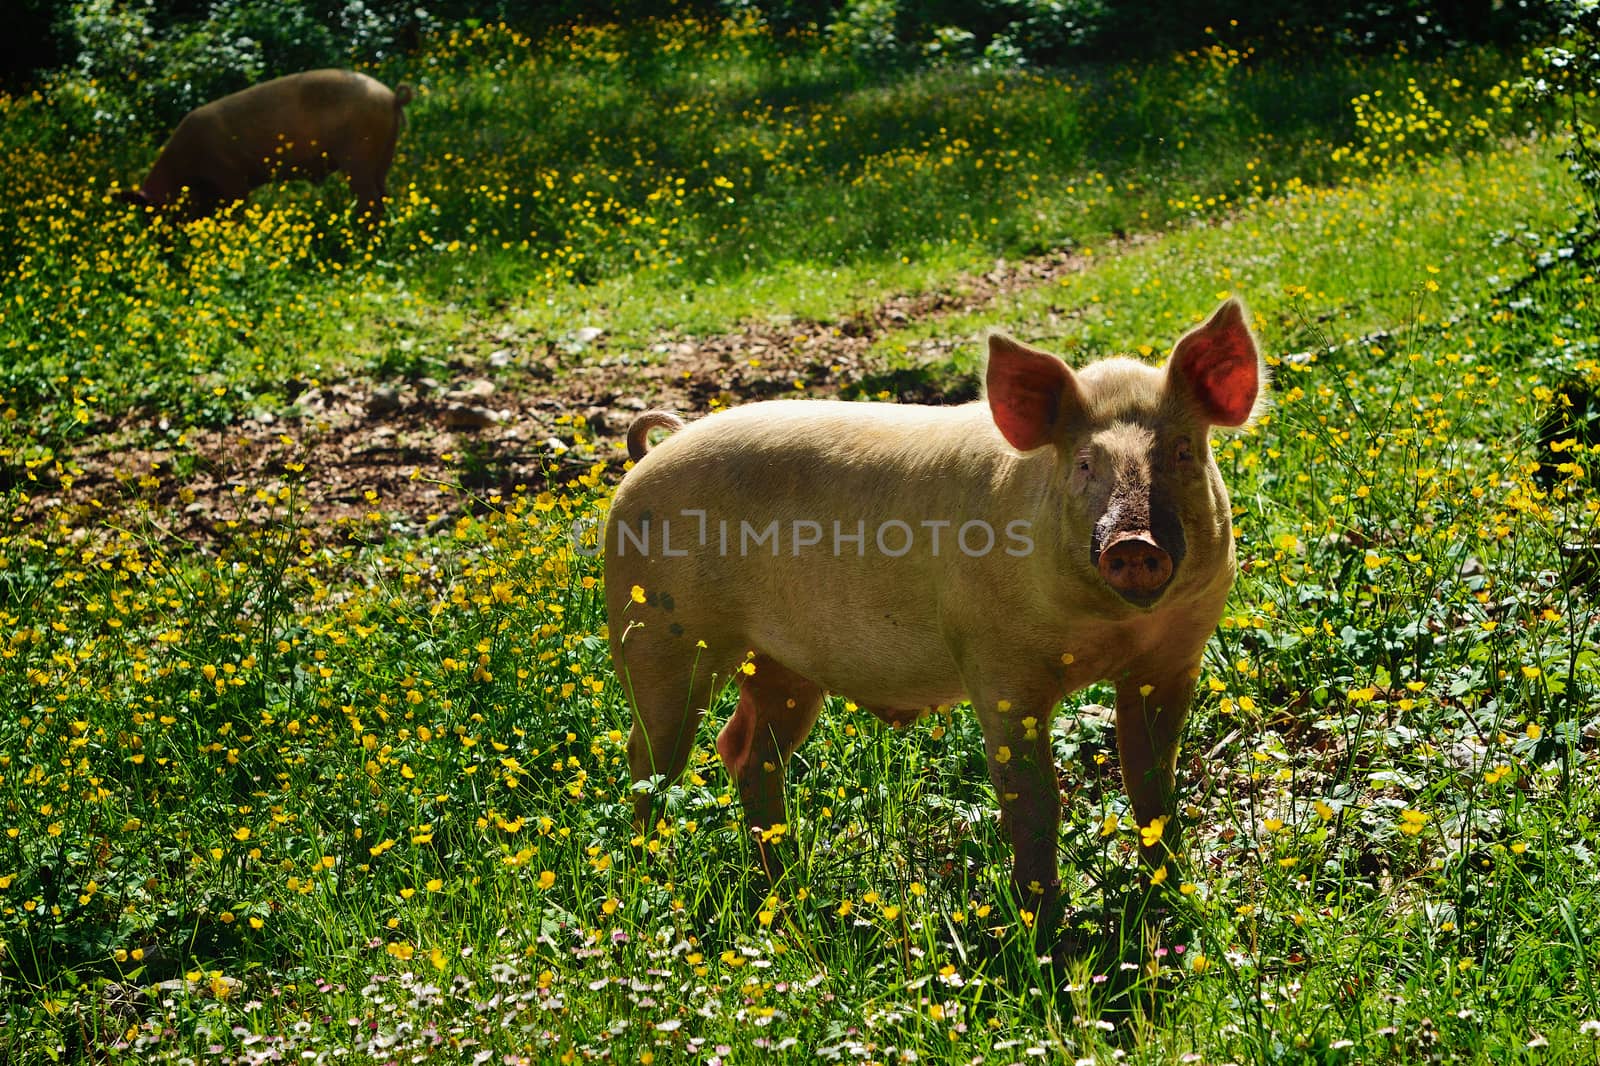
[(836, 458), (788, 447), (315, 104), (764, 472)]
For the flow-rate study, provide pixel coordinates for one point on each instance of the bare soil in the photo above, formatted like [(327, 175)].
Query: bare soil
[(409, 456)]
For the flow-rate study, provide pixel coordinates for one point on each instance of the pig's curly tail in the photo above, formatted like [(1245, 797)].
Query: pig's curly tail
[(639, 431)]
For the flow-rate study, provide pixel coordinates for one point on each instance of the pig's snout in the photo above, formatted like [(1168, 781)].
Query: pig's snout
[(1136, 566)]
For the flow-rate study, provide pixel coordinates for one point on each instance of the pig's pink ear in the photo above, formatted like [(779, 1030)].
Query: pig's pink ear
[(1027, 389), (1219, 366)]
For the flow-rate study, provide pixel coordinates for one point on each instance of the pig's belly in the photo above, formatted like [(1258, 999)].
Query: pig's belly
[(884, 664)]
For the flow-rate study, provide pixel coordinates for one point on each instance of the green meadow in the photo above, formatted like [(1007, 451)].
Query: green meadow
[(280, 784)]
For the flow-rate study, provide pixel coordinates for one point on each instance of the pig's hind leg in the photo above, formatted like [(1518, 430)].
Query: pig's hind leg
[(368, 169), (669, 693), (368, 185), (777, 708)]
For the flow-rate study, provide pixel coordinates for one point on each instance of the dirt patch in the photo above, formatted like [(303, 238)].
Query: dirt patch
[(406, 457)]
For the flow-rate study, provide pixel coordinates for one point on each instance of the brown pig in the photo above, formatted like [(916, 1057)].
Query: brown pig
[(1070, 528), (300, 126)]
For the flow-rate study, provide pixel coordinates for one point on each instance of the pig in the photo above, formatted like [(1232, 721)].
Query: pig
[(302, 125), (1071, 527)]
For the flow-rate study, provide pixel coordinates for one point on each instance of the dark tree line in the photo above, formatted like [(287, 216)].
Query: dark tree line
[(46, 34)]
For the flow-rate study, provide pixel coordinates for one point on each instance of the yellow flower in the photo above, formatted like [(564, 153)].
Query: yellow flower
[(638, 594), (1150, 835), (1411, 822), (547, 878)]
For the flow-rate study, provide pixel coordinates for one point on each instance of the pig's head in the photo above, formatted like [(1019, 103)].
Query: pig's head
[(1138, 488)]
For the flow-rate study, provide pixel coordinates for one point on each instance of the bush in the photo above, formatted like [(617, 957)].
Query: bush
[(137, 67), (1007, 33), (1047, 32), (1570, 76)]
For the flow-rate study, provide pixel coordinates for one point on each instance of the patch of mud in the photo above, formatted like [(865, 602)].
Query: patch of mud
[(404, 457)]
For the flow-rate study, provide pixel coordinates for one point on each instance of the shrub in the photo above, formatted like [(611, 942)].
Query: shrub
[(1570, 76), (1047, 32), (135, 67)]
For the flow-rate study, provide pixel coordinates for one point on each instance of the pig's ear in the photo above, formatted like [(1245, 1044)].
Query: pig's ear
[(1028, 392), (1219, 368)]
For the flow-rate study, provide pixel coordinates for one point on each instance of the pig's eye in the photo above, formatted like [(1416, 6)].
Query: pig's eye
[(1082, 471)]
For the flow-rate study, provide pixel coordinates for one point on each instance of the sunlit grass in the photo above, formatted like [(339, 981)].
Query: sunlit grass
[(679, 175), (1411, 248)]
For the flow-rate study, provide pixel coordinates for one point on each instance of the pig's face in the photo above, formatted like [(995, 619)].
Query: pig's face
[(1125, 482), (1131, 447)]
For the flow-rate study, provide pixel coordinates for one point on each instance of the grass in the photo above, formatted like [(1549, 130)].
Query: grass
[(1329, 263), (303, 793), (680, 176)]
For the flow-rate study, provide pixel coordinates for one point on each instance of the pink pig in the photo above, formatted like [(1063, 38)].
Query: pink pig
[(1072, 527)]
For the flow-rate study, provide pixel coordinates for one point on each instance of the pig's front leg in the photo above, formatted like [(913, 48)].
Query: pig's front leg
[(1152, 705), (1016, 737)]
